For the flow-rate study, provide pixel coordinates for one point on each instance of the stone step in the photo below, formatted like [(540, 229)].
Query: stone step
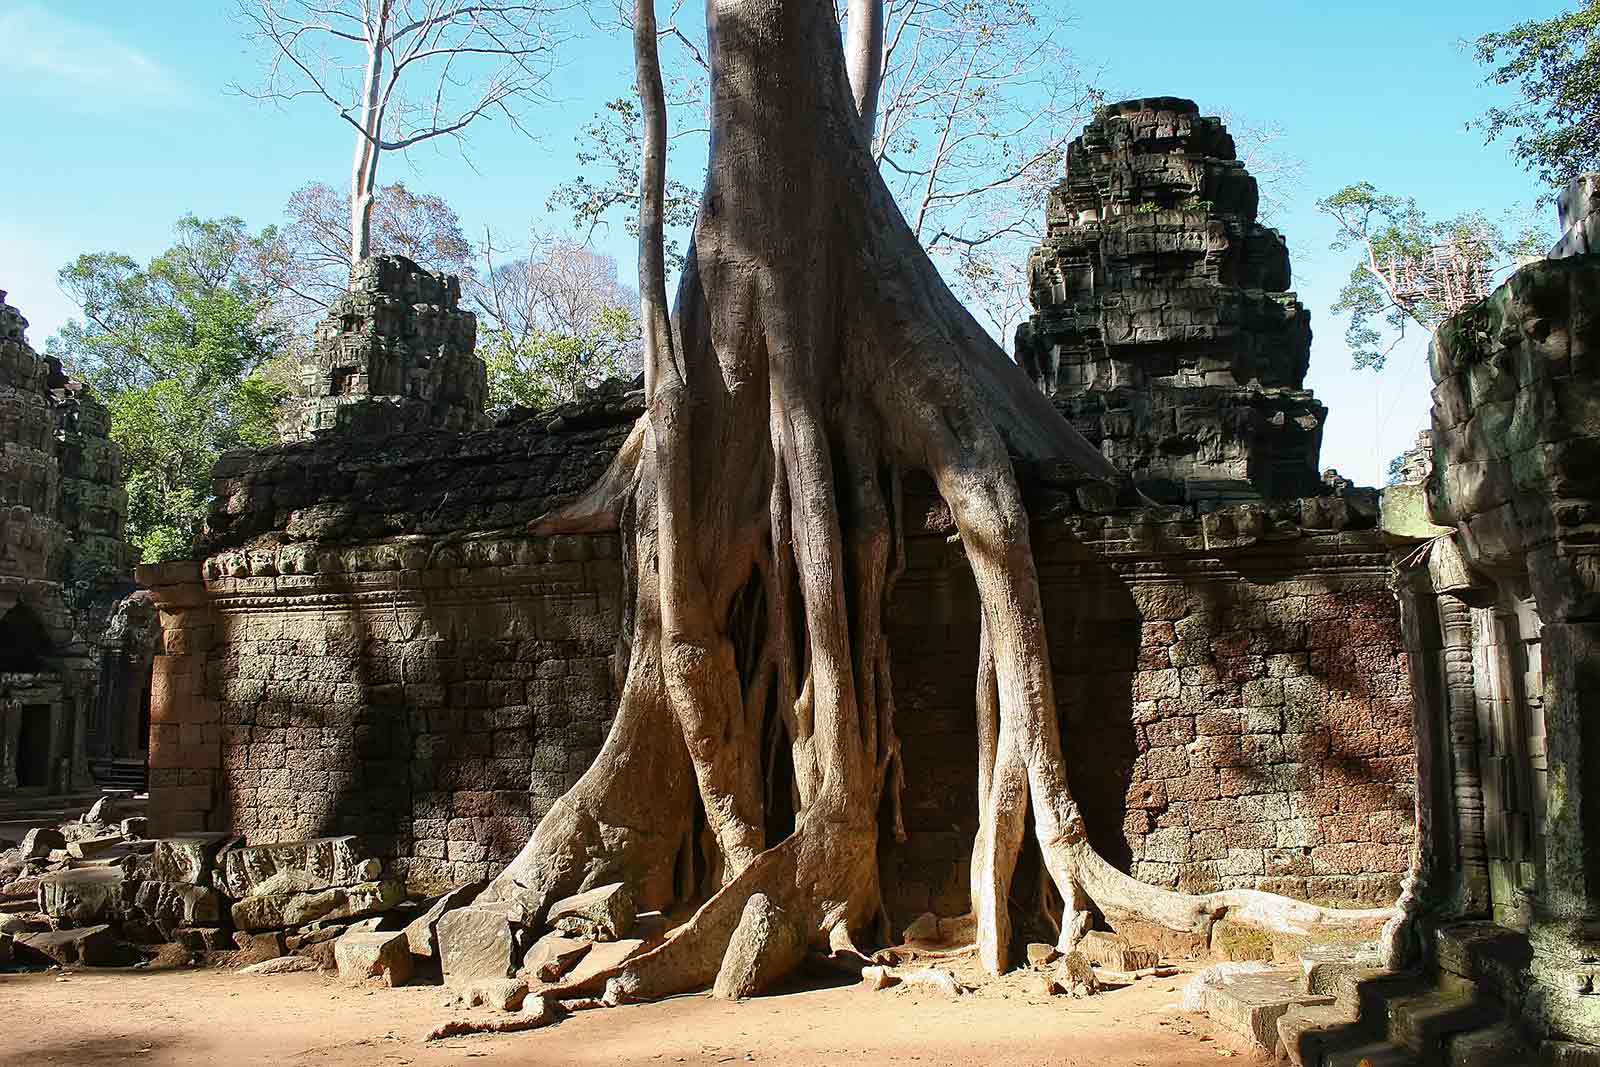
[(1372, 1054), (1367, 993), (1324, 966), (1496, 1046), (1424, 1022), (1250, 1000), (1306, 1033)]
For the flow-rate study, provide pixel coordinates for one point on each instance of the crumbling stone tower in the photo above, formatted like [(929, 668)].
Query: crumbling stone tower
[(395, 353), (1163, 327), (63, 567)]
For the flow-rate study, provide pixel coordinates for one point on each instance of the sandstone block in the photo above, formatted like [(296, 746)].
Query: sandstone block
[(186, 858), (38, 843), (1072, 975), (553, 955), (385, 955), (478, 943), (1115, 952), (89, 946), (1042, 955), (282, 965), (260, 946), (82, 896), (297, 909), (599, 960), (173, 904), (325, 862), (422, 933), (604, 913), (765, 947)]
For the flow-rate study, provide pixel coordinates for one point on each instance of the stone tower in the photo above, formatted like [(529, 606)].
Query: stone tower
[(1163, 328), (63, 567), (395, 353)]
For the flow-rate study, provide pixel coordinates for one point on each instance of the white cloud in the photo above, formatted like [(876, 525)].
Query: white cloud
[(45, 47)]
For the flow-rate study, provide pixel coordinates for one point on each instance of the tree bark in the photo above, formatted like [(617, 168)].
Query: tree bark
[(816, 354)]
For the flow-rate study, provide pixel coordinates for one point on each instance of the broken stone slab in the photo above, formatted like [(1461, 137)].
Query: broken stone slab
[(604, 913), (172, 904), (134, 828), (327, 862), (600, 959), (1249, 998), (553, 955), (282, 965), (185, 858), (936, 980), (500, 994), (1073, 976), (256, 947), (38, 843), (1041, 954), (200, 939), (297, 909), (422, 932), (83, 896), (877, 977), (765, 946), (480, 942), (89, 946), (384, 955), (85, 848), (1115, 952)]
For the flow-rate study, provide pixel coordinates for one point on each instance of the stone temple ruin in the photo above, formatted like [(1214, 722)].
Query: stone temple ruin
[(1268, 679), (74, 655)]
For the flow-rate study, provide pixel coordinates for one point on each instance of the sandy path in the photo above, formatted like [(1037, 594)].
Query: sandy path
[(216, 1017)]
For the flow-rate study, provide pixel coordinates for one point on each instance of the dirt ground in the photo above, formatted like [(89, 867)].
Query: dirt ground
[(218, 1017)]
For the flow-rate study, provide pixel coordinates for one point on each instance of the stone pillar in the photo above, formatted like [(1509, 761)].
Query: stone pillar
[(1466, 784), (185, 727)]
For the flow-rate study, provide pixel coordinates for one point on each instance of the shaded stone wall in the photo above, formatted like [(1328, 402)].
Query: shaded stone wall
[(1235, 718)]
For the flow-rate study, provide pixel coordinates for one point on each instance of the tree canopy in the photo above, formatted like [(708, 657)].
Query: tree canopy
[(1554, 125), (182, 354), (1410, 270)]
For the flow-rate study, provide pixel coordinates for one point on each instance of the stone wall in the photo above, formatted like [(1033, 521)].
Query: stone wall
[(1232, 718)]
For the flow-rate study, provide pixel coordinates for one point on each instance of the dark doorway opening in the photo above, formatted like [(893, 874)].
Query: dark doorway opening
[(33, 748), (24, 642)]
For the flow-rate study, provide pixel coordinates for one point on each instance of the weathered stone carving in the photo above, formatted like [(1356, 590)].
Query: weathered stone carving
[(394, 353), (1162, 325)]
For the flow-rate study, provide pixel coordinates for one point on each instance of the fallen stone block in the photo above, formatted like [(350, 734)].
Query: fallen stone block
[(89, 946), (1115, 952), (83, 896), (502, 994), (298, 909), (185, 858), (934, 980), (385, 955), (201, 939), (326, 862), (598, 961), (256, 947), (169, 905), (86, 848), (604, 913), (1042, 955), (1073, 976), (478, 943), (422, 932), (38, 843), (134, 828), (553, 955), (876, 978), (764, 948), (282, 965)]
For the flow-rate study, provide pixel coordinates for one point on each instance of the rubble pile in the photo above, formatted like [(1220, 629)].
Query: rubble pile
[(97, 892)]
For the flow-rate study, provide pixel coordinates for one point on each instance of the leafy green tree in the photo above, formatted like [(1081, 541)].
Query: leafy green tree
[(1554, 125), (182, 353), (1411, 271), (546, 367)]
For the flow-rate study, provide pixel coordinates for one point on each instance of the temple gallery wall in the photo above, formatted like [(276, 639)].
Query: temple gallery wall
[(1267, 678)]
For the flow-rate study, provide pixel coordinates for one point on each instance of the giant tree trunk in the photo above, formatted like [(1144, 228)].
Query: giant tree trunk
[(816, 354)]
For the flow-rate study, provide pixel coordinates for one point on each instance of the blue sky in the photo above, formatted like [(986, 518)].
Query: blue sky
[(119, 119)]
